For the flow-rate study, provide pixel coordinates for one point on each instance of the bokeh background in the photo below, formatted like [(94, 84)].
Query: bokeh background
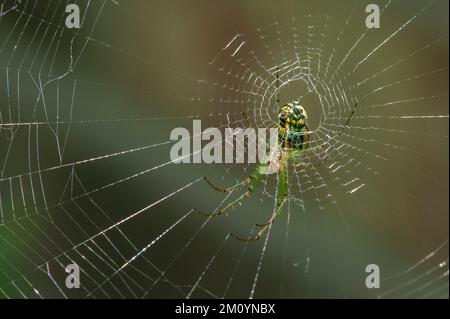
[(136, 70)]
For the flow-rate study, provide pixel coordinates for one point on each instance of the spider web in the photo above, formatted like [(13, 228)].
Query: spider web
[(84, 152)]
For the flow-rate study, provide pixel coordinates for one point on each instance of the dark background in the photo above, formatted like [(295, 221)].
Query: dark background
[(133, 66)]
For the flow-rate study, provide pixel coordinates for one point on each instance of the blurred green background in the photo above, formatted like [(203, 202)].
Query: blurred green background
[(131, 74)]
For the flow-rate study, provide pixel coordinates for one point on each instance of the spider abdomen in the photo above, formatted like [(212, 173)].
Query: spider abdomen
[(292, 126)]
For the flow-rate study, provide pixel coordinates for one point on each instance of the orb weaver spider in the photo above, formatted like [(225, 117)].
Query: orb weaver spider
[(293, 141)]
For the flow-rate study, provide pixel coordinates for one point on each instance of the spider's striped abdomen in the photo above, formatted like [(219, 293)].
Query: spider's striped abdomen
[(292, 127)]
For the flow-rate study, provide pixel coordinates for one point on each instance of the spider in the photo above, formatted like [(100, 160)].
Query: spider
[(293, 142)]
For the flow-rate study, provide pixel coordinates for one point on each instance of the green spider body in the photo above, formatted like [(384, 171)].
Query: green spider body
[(293, 140)]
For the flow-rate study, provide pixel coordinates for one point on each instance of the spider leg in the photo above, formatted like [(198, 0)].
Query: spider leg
[(254, 238), (246, 119), (265, 226), (230, 205), (253, 181), (282, 195), (274, 215), (227, 189)]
